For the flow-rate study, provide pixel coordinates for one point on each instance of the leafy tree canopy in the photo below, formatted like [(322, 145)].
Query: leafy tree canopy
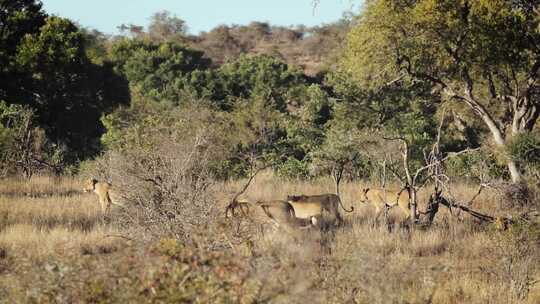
[(262, 76), (483, 54), (155, 67)]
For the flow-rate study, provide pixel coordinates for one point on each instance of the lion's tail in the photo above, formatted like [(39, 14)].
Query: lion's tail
[(342, 207), (340, 203)]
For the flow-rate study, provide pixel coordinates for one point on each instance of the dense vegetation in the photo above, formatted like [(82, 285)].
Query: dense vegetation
[(82, 92)]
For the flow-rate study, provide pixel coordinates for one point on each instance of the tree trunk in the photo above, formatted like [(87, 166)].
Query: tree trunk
[(498, 137), (412, 201), (410, 182), (514, 172)]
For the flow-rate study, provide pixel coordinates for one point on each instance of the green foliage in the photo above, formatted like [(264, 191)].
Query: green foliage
[(259, 133), (293, 168), (343, 149), (424, 35), (18, 18), (252, 132), (481, 165), (71, 77), (481, 54), (145, 123), (204, 85), (403, 109), (261, 76), (525, 148), (56, 44), (46, 67), (306, 127), (157, 69), (71, 97)]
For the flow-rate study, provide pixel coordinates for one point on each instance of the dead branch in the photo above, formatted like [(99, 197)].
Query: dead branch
[(234, 202), (475, 214), (442, 160), (478, 192)]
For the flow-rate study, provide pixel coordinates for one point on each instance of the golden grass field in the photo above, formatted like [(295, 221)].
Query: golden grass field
[(57, 247)]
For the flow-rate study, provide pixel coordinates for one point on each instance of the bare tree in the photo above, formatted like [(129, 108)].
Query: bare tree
[(165, 26), (28, 150), (432, 171)]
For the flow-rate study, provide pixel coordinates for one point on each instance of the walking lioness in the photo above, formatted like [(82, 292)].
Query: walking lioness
[(278, 212), (386, 199), (102, 190), (312, 206)]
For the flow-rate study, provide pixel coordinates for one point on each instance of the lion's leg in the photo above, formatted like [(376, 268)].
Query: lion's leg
[(108, 203), (244, 209), (406, 211), (339, 218), (378, 213), (102, 204), (314, 221)]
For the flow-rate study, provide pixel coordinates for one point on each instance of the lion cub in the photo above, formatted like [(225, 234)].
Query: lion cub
[(102, 190)]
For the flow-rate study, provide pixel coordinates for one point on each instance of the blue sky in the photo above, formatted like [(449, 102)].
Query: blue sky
[(200, 15)]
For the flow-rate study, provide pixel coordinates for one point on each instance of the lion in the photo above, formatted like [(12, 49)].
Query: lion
[(102, 190), (281, 213), (312, 206), (383, 200)]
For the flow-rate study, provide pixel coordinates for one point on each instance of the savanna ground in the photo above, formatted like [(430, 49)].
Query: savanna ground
[(57, 247)]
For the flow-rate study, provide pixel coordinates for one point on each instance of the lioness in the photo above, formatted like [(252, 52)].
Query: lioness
[(102, 190), (383, 200), (279, 212), (312, 206)]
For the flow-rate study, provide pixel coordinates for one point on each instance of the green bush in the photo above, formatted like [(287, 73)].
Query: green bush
[(525, 150), (477, 164), (293, 168)]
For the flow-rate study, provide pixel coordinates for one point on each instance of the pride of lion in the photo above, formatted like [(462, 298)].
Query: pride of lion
[(297, 210), (294, 211)]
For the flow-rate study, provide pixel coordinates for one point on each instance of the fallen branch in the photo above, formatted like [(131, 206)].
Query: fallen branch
[(483, 217)]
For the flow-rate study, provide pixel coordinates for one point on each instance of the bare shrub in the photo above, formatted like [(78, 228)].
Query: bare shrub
[(24, 147), (515, 195), (165, 179), (98, 168), (518, 255)]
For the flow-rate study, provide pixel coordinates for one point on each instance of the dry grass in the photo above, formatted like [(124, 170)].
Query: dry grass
[(40, 186), (455, 261), (76, 212), (48, 215), (458, 260), (39, 244)]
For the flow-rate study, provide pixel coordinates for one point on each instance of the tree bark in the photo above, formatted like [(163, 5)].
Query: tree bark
[(514, 172), (496, 132), (410, 182)]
